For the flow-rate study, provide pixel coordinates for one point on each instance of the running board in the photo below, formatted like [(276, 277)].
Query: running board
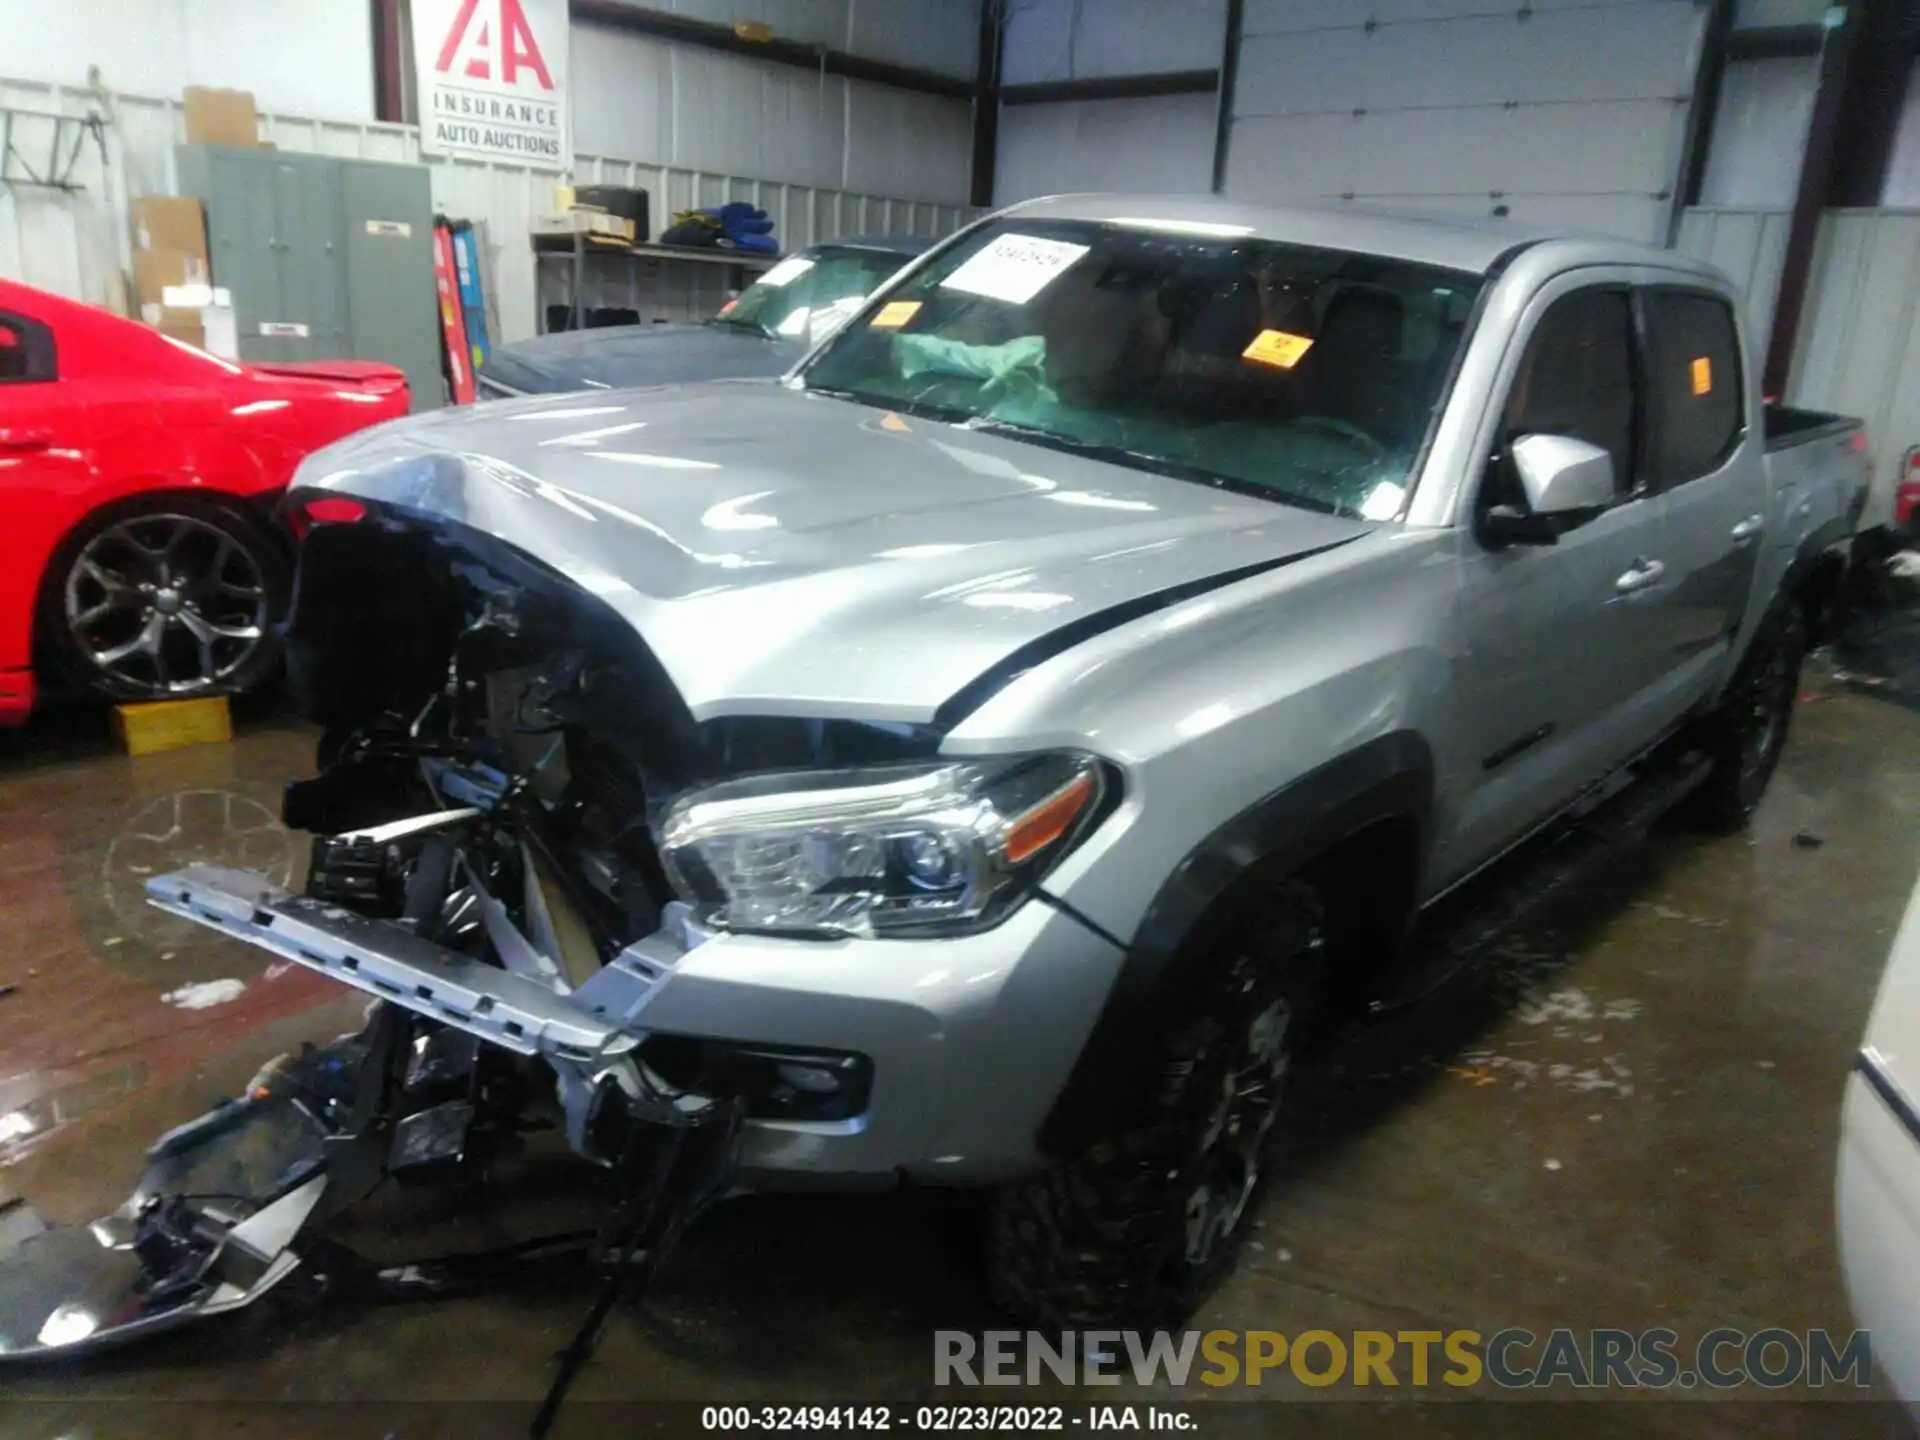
[(390, 963), (1468, 924)]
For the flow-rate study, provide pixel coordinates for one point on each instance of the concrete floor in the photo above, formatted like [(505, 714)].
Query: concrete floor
[(1631, 1122)]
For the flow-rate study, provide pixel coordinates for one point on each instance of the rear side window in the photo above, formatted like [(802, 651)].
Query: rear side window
[(1578, 376), (1694, 384), (26, 350)]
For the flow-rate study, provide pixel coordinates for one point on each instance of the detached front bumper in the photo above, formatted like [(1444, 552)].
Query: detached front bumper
[(969, 1039)]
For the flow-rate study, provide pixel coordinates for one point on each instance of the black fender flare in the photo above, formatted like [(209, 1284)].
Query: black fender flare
[(1387, 778)]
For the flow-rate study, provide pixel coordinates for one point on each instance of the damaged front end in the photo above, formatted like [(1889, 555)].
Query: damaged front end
[(498, 750)]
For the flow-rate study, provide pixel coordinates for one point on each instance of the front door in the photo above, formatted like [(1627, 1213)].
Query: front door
[(1564, 639)]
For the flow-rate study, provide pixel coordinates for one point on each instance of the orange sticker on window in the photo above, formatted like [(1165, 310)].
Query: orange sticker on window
[(1702, 369), (1277, 348), (894, 314)]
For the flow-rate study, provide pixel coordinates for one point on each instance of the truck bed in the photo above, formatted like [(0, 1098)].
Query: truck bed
[(1786, 426)]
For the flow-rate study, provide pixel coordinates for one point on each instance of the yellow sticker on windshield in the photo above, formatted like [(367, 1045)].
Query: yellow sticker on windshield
[(1702, 369), (1277, 348), (894, 314)]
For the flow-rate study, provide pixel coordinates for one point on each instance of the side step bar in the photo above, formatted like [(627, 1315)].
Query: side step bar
[(390, 963)]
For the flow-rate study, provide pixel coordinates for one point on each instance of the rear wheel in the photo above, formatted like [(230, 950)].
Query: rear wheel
[(1134, 1230), (1749, 730), (164, 599)]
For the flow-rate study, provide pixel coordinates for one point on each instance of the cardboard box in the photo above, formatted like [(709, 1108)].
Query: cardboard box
[(170, 222), (155, 270), (595, 223), (220, 117), (178, 324)]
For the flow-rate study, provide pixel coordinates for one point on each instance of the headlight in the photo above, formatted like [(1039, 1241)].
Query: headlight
[(886, 851)]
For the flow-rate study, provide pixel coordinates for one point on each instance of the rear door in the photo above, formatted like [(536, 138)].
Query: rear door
[(1563, 641), (1710, 471)]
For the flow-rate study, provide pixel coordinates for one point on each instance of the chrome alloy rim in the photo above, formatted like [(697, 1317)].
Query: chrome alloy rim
[(166, 604)]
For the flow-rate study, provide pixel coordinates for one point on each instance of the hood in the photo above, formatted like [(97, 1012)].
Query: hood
[(790, 554), (628, 356)]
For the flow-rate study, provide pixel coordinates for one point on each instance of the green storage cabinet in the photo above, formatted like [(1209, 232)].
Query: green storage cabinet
[(326, 258)]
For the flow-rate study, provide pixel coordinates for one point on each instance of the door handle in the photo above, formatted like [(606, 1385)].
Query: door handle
[(1748, 528), (1644, 573), (21, 440)]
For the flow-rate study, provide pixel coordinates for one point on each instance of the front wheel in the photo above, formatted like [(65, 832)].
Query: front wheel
[(1748, 731), (1135, 1229), (166, 598)]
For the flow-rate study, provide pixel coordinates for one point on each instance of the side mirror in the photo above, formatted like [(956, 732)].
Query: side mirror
[(1562, 476), (1563, 479)]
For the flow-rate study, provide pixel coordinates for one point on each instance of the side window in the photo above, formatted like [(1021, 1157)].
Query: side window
[(1578, 378), (1694, 383), (26, 350)]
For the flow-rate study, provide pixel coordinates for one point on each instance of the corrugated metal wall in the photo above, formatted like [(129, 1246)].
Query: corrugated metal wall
[(1858, 351), (634, 96), (1750, 246), (1571, 112), (75, 243), (1859, 344)]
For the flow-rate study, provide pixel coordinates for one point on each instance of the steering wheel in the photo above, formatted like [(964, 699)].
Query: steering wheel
[(1346, 430)]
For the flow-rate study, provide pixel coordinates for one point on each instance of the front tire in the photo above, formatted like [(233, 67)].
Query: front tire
[(166, 598), (1134, 1230), (1747, 732)]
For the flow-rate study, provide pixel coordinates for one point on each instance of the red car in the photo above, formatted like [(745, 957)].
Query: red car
[(138, 552)]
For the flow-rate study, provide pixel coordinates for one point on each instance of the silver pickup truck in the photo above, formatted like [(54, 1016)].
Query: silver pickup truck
[(995, 753)]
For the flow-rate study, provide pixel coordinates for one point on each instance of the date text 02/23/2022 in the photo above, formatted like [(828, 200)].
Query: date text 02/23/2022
[(939, 1419)]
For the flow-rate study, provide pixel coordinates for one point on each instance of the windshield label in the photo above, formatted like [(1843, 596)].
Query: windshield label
[(1277, 348), (1014, 268), (1702, 369), (894, 314), (787, 271)]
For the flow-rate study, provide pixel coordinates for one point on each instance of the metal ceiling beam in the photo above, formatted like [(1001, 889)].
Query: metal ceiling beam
[(1701, 113), (1810, 198), (986, 103), (661, 25), (1113, 87), (1229, 79)]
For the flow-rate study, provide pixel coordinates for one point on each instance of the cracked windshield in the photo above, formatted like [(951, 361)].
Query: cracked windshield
[(1305, 375)]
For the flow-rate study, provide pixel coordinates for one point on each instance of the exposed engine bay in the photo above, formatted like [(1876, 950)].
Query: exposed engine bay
[(498, 752)]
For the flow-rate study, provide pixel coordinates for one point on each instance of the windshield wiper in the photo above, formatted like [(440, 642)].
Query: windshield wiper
[(1144, 460)]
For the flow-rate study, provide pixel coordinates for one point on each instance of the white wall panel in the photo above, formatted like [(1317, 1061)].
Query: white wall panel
[(643, 99), (76, 244), (622, 92), (310, 56), (903, 143), (1162, 145), (1859, 346), (1570, 111), (942, 35), (1076, 39), (1902, 184), (1751, 246), (1759, 132), (1592, 54), (1293, 16)]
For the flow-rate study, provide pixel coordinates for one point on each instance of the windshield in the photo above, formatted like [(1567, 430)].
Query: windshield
[(783, 300), (1305, 375)]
